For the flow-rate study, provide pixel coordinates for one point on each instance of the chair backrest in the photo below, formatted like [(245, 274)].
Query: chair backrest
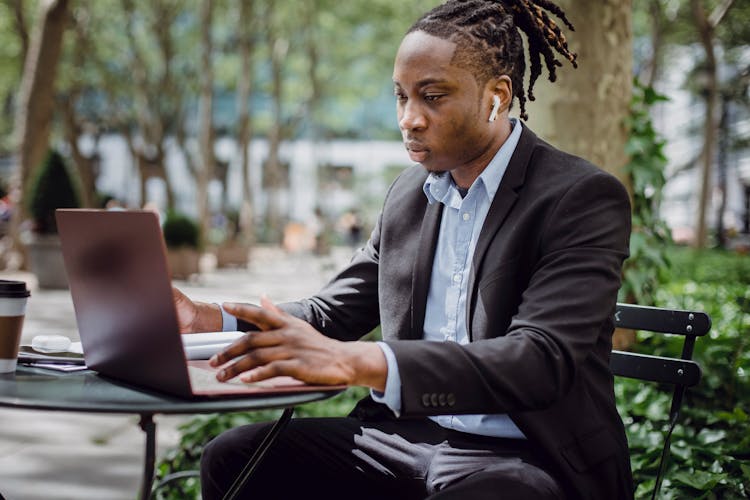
[(680, 372), (677, 371)]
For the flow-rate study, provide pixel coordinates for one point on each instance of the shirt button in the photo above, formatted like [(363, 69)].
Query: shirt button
[(457, 277), (466, 216)]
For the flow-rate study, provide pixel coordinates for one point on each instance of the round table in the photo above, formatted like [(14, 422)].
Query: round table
[(86, 391)]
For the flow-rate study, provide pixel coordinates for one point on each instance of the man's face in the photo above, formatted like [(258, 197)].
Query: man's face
[(440, 106)]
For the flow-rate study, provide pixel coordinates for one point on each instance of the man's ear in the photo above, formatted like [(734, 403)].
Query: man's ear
[(502, 86)]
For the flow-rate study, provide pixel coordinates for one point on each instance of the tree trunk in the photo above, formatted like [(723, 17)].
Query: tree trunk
[(152, 118), (584, 111), (36, 102), (85, 165), (721, 163), (72, 125), (279, 47), (244, 83), (206, 169), (36, 96), (706, 32), (657, 43)]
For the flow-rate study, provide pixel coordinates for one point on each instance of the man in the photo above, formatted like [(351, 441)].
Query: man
[(493, 271)]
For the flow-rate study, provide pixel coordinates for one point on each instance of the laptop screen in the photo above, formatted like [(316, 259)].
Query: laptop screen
[(122, 295)]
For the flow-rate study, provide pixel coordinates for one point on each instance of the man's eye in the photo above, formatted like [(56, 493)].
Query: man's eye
[(432, 97), (399, 96)]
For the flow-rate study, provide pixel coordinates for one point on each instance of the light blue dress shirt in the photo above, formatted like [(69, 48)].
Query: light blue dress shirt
[(445, 314)]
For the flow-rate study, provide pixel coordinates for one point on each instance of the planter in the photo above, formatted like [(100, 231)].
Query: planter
[(232, 255), (183, 262), (46, 260)]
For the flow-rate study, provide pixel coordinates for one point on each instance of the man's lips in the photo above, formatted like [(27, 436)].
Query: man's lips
[(415, 147), (417, 152)]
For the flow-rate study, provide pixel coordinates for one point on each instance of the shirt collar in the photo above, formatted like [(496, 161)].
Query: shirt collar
[(440, 188)]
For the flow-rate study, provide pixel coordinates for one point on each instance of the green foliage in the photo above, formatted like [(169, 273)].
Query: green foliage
[(645, 270), (180, 231), (51, 188), (710, 456), (200, 430)]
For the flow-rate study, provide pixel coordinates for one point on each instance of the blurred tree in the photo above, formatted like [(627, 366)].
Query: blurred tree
[(15, 22), (157, 96), (20, 26), (74, 83), (206, 123), (246, 43), (129, 68), (718, 41), (36, 94), (277, 41), (706, 25)]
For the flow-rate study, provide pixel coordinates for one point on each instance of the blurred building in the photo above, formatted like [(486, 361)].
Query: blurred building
[(336, 176)]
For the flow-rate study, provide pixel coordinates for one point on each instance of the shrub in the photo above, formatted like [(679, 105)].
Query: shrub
[(710, 456), (180, 231), (51, 188)]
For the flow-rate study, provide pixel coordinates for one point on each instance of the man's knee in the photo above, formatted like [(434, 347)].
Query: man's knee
[(516, 479)]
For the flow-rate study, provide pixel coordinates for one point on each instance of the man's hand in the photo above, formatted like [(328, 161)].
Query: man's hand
[(194, 317), (286, 345)]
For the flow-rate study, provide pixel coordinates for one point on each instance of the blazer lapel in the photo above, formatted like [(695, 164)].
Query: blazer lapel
[(505, 198), (422, 271)]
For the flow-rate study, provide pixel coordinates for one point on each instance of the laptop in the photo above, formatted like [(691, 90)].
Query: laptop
[(122, 295)]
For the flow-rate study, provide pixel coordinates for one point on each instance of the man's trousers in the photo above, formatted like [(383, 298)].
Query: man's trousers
[(346, 458)]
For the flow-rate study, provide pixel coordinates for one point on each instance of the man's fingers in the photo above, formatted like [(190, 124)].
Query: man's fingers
[(265, 319), (244, 344), (253, 360), (275, 369)]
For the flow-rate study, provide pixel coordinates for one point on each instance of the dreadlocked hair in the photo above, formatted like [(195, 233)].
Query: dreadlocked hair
[(490, 27)]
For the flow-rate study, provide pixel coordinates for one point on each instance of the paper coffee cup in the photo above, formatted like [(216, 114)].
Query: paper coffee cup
[(13, 296)]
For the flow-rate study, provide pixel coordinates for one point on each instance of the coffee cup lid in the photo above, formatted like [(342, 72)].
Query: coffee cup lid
[(13, 289)]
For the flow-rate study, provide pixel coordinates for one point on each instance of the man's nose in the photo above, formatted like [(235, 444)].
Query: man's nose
[(411, 117)]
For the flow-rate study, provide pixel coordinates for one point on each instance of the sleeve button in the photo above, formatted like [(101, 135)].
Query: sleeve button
[(426, 400), (451, 399), (433, 399), (442, 399)]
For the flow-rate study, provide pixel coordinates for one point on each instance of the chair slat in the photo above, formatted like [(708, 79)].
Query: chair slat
[(655, 368), (660, 320)]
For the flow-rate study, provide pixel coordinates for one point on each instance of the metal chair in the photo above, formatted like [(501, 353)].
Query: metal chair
[(679, 372)]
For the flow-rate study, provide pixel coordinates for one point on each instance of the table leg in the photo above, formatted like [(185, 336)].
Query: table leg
[(149, 427), (252, 464)]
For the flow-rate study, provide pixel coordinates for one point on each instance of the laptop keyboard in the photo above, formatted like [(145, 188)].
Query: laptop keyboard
[(202, 379)]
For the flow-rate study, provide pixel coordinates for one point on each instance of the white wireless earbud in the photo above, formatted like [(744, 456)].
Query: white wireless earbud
[(495, 108)]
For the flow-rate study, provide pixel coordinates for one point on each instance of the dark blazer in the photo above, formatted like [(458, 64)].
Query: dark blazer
[(542, 294)]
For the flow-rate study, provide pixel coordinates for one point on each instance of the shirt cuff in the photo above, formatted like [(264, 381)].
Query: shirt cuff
[(228, 322), (392, 395)]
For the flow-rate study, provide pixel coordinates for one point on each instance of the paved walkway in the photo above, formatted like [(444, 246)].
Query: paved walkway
[(76, 456)]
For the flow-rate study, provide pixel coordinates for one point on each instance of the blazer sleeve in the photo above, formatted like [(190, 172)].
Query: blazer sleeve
[(563, 320)]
